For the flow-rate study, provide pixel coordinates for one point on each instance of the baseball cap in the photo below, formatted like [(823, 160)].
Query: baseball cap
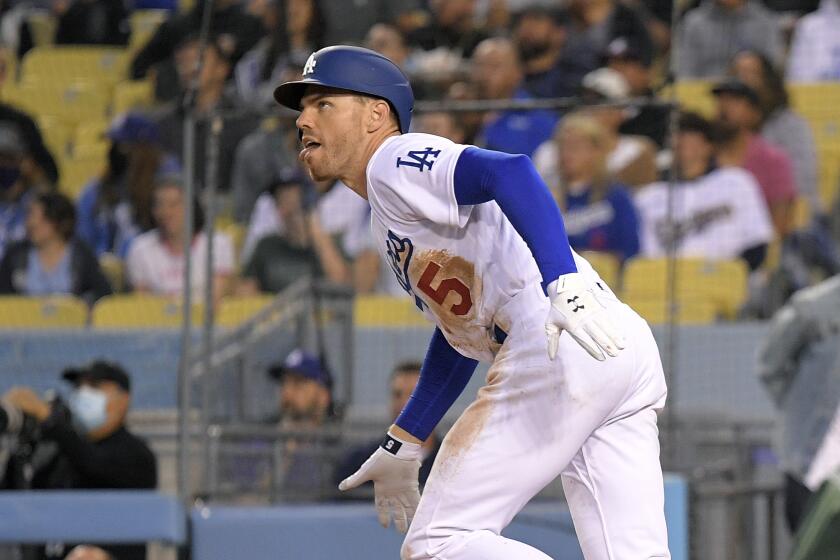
[(304, 364), (606, 84), (99, 370), (134, 127), (733, 86), (11, 142), (625, 48)]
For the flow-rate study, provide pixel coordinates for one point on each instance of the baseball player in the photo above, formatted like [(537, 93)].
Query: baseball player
[(476, 239)]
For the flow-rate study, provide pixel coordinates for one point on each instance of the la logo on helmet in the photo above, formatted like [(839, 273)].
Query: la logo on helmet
[(309, 67)]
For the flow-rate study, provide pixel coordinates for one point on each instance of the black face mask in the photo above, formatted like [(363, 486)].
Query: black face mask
[(9, 175), (529, 50), (117, 161)]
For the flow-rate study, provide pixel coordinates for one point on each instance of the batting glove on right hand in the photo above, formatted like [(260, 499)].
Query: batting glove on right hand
[(575, 309), (394, 469)]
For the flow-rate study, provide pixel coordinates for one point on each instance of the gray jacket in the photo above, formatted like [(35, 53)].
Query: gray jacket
[(710, 36), (800, 367)]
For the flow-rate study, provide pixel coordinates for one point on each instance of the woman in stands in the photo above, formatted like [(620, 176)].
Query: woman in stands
[(155, 262), (599, 213), (50, 260)]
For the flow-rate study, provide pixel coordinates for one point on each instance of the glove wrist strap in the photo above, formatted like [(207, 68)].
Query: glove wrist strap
[(399, 448)]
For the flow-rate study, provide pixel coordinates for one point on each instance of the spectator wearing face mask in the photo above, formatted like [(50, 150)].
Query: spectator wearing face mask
[(85, 443)]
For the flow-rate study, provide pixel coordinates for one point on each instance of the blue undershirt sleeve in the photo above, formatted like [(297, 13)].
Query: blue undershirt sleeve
[(444, 375), (511, 180)]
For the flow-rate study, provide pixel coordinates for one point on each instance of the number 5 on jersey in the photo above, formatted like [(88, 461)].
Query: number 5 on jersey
[(446, 285)]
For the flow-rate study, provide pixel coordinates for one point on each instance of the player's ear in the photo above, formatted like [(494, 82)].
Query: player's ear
[(379, 115)]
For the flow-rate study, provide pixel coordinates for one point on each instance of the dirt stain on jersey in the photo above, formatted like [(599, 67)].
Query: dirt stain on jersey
[(452, 290)]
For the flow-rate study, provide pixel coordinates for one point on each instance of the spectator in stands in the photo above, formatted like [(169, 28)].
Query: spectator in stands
[(16, 192), (349, 26), (711, 34), (629, 60), (739, 109), (86, 552), (116, 207), (598, 211), (41, 168), (235, 29), (452, 27), (549, 68), (92, 22), (815, 49), (631, 160), (780, 125), (718, 213), (497, 72), (50, 261), (295, 30), (403, 379), (340, 218), (155, 262), (593, 24), (302, 249), (306, 412), (448, 125), (212, 97), (268, 152), (388, 40), (85, 443), (798, 366)]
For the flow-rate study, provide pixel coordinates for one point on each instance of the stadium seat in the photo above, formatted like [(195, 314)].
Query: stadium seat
[(234, 311), (63, 65), (57, 134), (42, 26), (829, 174), (693, 95), (688, 311), (138, 311), (132, 94), (114, 271), (721, 283), (78, 172), (18, 312), (90, 132), (386, 311), (821, 96), (606, 265), (71, 103), (143, 25)]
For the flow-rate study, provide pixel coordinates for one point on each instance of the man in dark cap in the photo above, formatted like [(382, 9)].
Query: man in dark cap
[(739, 109), (92, 448)]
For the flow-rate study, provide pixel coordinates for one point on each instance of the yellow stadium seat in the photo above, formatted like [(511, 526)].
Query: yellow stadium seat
[(138, 311), (143, 25), (234, 311), (693, 95), (57, 135), (606, 265), (114, 271), (721, 283), (64, 65), (42, 26), (386, 311), (42, 313), (77, 172), (91, 150), (132, 94), (73, 103), (91, 132), (806, 98), (688, 311), (829, 175)]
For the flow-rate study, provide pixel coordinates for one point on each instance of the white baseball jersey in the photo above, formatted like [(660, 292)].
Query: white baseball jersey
[(716, 216), (461, 263)]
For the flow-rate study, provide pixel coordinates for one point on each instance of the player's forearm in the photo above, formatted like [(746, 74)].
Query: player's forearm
[(444, 375), (512, 181)]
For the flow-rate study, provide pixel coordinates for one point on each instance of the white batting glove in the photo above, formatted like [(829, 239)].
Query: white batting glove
[(575, 309), (394, 469)]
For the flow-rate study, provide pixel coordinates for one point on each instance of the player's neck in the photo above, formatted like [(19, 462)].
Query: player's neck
[(356, 178)]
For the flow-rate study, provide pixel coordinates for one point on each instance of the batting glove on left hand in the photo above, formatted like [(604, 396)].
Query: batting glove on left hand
[(394, 469), (575, 309)]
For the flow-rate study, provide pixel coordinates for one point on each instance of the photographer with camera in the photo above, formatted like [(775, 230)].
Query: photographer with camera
[(83, 444)]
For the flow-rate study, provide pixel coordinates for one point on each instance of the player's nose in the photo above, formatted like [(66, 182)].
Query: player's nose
[(304, 121)]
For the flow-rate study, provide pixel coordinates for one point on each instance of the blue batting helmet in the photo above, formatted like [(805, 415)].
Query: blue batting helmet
[(353, 69)]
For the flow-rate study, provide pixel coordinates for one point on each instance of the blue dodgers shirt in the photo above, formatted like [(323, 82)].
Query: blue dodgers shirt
[(519, 132), (609, 225)]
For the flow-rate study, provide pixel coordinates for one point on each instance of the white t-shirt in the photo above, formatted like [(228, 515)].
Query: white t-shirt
[(716, 216), (151, 265), (461, 263)]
